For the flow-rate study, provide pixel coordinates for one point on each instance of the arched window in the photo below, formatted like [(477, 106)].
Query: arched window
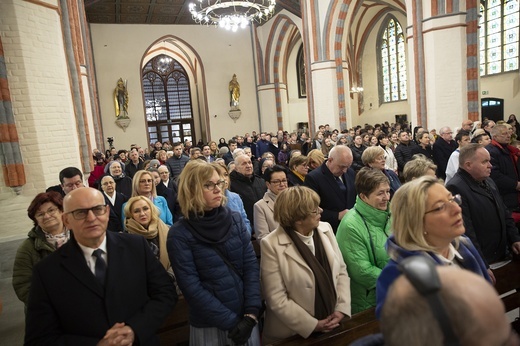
[(300, 72), (498, 36), (392, 62), (167, 98)]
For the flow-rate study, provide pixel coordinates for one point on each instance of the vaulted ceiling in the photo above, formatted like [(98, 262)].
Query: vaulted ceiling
[(155, 11)]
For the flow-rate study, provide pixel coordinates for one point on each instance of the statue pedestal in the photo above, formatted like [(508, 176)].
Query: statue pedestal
[(235, 114), (123, 122)]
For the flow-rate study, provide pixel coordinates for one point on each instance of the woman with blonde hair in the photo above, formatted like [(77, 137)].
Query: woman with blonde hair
[(304, 279), (316, 159), (142, 218), (233, 200), (427, 221), (162, 156), (143, 185), (213, 147), (214, 262)]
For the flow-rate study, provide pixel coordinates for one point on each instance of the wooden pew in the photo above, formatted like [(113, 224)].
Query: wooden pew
[(508, 280), (176, 329), (361, 324)]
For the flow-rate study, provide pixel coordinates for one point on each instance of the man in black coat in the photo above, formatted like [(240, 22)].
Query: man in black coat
[(506, 166), (404, 150), (442, 149), (134, 163), (250, 187), (99, 288), (487, 220), (334, 183)]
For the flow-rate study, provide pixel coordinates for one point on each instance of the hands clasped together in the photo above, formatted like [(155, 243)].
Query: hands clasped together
[(329, 323), (119, 335)]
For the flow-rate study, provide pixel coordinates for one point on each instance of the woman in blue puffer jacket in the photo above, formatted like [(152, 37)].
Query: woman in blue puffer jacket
[(214, 262)]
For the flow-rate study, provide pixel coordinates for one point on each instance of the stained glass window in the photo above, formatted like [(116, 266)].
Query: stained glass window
[(300, 72), (392, 61), (498, 36), (167, 97)]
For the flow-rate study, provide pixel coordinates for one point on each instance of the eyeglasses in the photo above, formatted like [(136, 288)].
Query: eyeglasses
[(51, 211), (79, 183), (80, 214), (144, 181), (278, 181), (457, 199), (317, 211), (211, 186)]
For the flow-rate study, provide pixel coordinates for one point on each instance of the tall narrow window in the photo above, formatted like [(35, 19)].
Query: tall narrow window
[(300, 72), (498, 36), (392, 62), (167, 98)]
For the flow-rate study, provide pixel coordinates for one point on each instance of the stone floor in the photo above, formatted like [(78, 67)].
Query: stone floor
[(12, 316)]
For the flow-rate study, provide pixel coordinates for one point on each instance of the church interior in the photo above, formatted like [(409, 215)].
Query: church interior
[(344, 63)]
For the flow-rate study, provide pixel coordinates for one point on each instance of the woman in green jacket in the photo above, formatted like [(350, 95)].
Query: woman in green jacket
[(362, 235), (47, 235)]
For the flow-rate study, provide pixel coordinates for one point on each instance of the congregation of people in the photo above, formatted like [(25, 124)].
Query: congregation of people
[(269, 235)]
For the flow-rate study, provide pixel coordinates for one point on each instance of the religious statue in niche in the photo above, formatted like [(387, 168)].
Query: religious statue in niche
[(234, 93), (121, 99)]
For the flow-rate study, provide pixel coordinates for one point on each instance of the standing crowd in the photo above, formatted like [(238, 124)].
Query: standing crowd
[(267, 235)]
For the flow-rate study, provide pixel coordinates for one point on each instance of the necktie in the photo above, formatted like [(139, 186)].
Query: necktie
[(100, 269), (341, 185)]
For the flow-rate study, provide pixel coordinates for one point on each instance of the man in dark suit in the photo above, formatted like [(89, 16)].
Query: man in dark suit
[(70, 178), (487, 220), (442, 149), (334, 183), (115, 200), (101, 287), (167, 188), (506, 166), (165, 177), (206, 152), (134, 163)]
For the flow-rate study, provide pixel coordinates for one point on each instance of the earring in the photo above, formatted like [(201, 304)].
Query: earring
[(425, 233)]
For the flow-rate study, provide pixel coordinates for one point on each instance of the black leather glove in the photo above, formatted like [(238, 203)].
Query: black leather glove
[(242, 331)]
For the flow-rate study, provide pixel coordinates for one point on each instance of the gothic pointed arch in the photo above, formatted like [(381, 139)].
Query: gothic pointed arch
[(174, 92), (391, 52)]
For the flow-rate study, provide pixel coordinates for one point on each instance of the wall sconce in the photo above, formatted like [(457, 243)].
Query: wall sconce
[(356, 90)]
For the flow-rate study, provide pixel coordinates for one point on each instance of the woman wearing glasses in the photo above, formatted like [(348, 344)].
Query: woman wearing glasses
[(427, 221), (233, 200), (143, 185), (263, 210), (304, 279), (214, 262), (47, 235)]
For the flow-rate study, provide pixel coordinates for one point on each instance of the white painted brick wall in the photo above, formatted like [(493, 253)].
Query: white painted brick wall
[(41, 98)]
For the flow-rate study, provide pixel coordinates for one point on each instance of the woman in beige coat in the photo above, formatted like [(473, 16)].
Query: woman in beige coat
[(263, 210), (304, 279)]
